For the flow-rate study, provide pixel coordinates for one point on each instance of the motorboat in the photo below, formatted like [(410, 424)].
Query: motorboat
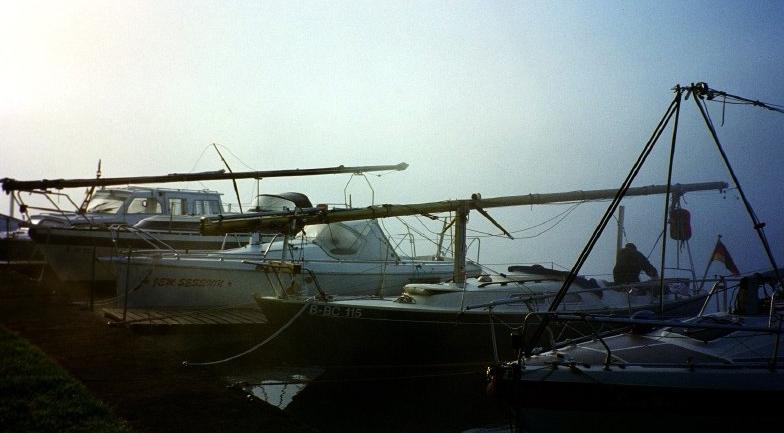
[(16, 247), (344, 258), (119, 219)]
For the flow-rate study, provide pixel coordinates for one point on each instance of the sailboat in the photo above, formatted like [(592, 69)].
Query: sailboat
[(708, 362), (439, 323), (720, 370)]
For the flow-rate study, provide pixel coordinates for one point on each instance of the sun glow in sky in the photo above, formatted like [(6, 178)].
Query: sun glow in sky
[(502, 98)]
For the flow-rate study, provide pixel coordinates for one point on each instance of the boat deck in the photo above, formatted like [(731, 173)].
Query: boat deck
[(148, 318)]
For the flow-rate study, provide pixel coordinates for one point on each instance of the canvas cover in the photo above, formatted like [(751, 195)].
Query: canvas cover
[(352, 240)]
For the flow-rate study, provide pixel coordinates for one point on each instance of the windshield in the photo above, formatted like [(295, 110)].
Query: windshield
[(335, 238), (286, 201), (268, 203), (105, 205)]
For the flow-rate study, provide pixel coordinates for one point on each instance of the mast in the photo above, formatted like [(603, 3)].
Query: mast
[(233, 181), (31, 185)]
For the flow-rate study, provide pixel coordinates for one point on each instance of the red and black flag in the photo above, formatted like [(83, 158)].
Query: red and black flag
[(720, 254)]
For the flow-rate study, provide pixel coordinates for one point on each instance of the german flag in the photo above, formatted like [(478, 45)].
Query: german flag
[(720, 254)]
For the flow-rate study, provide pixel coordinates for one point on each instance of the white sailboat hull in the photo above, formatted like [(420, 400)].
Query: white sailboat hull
[(190, 282)]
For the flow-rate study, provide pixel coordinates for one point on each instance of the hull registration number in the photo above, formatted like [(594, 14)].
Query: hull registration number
[(335, 311)]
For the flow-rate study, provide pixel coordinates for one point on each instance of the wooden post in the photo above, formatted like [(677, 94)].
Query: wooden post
[(461, 219), (92, 281)]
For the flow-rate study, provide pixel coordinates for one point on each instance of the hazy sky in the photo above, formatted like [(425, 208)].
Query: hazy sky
[(502, 98)]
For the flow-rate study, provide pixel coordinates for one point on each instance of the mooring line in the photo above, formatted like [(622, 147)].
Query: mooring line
[(268, 339)]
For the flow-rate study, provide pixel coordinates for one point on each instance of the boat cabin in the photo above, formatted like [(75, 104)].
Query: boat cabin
[(131, 204)]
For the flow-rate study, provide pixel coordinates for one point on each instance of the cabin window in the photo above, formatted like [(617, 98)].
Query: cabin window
[(177, 206), (206, 207), (144, 205), (336, 238), (105, 205)]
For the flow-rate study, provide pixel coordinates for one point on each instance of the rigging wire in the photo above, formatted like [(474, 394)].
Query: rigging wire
[(758, 226), (429, 230), (561, 217), (201, 155), (237, 158), (403, 236), (481, 234), (702, 89), (564, 214)]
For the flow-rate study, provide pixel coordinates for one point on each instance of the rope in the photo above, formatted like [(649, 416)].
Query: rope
[(252, 349)]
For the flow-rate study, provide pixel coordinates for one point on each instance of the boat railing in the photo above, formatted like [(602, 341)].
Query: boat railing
[(441, 251), (719, 287), (617, 324), (478, 242), (630, 290), (157, 244), (235, 237), (142, 234), (55, 209), (518, 298)]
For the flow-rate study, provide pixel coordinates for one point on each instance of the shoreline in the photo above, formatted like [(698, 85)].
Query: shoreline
[(137, 376)]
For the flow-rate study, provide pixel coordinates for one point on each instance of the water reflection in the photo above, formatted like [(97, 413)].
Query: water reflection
[(376, 399), (276, 386), (285, 391), (399, 399)]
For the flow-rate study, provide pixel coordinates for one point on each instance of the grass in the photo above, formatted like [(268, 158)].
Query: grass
[(37, 395)]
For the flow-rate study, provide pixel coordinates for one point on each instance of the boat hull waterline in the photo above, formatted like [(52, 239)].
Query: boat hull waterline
[(364, 332)]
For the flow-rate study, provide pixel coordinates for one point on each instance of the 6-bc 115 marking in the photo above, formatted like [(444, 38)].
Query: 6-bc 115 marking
[(335, 311)]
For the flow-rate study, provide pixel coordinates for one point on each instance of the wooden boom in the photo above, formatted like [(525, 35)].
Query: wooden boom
[(296, 220), (31, 185)]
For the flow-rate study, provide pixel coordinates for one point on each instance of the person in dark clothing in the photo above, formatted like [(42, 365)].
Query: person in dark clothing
[(630, 263)]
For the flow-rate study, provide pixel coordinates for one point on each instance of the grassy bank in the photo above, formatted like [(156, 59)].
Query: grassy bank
[(36, 395)]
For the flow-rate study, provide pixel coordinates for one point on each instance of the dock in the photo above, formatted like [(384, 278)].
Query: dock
[(185, 318)]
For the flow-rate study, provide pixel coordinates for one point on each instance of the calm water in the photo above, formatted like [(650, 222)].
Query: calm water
[(407, 400), (377, 399)]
